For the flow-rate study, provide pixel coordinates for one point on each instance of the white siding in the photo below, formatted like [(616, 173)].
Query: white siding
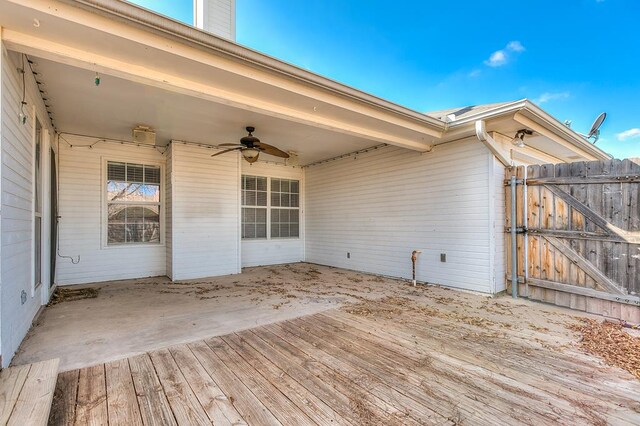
[(16, 224), (217, 17), (205, 212), (272, 252), (386, 203), (81, 227)]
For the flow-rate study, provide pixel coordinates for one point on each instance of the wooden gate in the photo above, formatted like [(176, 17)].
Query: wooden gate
[(578, 235)]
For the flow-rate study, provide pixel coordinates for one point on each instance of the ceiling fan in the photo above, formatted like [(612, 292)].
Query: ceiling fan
[(251, 147)]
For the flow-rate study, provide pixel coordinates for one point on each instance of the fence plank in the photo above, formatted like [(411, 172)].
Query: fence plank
[(583, 234)]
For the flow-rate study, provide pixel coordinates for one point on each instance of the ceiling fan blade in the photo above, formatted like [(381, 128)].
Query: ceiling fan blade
[(225, 151), (231, 144), (271, 150)]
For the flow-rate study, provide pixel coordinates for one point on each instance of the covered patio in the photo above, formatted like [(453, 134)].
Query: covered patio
[(316, 345)]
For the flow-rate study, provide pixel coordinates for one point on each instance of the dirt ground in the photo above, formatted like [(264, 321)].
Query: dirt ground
[(134, 316)]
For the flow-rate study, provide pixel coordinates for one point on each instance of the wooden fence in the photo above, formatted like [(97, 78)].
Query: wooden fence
[(578, 240)]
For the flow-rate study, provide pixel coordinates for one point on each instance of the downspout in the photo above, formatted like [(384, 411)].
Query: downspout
[(514, 247), (491, 144), (495, 148), (525, 227)]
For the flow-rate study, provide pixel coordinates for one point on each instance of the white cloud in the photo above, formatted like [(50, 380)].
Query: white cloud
[(501, 57), (474, 73), (628, 134), (497, 59), (551, 96), (515, 46)]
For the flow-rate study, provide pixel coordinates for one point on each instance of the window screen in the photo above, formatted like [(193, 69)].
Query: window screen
[(133, 203), (285, 203), (270, 208), (254, 207)]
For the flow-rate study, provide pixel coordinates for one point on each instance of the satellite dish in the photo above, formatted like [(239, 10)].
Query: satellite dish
[(594, 132)]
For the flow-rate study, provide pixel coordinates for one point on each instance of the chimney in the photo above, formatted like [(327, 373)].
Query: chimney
[(216, 16)]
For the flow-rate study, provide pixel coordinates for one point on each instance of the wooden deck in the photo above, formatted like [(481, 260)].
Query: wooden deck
[(26, 393), (384, 362)]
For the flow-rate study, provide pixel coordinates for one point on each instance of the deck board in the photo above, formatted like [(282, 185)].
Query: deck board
[(122, 403), (33, 403), (399, 365)]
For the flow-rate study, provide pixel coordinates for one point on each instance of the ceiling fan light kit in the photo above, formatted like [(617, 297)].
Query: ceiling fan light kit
[(251, 154), (251, 147)]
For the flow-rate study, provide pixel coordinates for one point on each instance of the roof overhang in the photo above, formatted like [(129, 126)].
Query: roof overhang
[(125, 41), (550, 137), (141, 49)]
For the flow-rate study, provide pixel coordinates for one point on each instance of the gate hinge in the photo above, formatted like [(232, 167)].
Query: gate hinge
[(519, 230), (507, 182)]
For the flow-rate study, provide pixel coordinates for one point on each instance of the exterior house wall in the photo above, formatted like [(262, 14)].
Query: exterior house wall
[(388, 202), (275, 251), (82, 207), (205, 213), (216, 16), (17, 204)]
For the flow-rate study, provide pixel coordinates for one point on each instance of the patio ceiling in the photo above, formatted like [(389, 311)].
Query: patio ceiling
[(116, 106), (191, 85)]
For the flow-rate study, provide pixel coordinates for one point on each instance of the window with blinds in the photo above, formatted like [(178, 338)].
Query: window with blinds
[(133, 203), (285, 208), (270, 208), (254, 207)]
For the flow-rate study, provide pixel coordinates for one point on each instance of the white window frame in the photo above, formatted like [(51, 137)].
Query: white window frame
[(36, 281), (269, 207), (104, 221)]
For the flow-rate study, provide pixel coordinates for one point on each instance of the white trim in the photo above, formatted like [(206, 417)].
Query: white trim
[(35, 282), (104, 159), (239, 216), (270, 176)]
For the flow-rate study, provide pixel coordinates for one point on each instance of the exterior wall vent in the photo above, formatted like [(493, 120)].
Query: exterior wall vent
[(144, 135)]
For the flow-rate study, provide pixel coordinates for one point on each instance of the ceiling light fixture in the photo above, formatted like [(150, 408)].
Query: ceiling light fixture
[(518, 139), (251, 154)]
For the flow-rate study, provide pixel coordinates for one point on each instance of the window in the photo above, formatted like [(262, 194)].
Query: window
[(37, 207), (133, 203), (285, 202), (254, 207), (270, 201)]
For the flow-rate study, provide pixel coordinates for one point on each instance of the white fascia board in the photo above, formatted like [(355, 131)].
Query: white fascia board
[(141, 18), (530, 115)]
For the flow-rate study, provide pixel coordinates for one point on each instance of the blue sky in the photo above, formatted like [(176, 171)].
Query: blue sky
[(574, 58)]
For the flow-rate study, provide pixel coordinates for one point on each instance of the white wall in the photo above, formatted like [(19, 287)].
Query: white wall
[(275, 251), (216, 16), (82, 183), (205, 213), (16, 223), (386, 203)]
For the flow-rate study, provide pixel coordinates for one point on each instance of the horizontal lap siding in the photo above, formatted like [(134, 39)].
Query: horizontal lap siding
[(17, 206), (205, 200), (218, 17), (275, 251), (81, 227), (388, 202)]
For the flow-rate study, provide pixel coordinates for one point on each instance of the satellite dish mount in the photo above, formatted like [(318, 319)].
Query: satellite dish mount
[(594, 132)]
